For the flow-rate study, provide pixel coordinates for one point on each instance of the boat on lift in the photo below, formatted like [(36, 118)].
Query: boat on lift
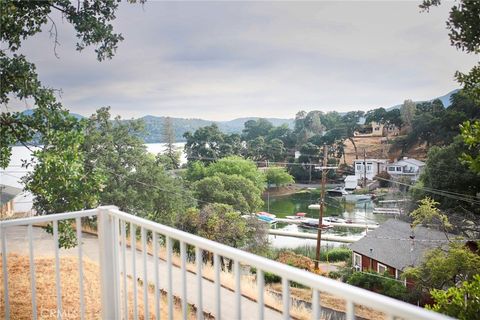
[(337, 192), (313, 223), (297, 216)]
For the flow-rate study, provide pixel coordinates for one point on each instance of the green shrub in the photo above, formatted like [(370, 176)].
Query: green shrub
[(267, 276), (383, 284), (336, 254), (271, 277), (334, 275)]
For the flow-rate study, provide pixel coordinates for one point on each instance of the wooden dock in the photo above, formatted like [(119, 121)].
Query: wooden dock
[(335, 224), (305, 235)]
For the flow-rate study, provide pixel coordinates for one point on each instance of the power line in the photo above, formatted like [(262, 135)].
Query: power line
[(449, 194)]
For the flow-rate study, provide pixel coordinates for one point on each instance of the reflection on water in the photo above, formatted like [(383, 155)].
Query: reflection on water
[(282, 206)]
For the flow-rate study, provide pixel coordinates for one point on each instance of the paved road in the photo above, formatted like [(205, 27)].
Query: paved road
[(17, 242)]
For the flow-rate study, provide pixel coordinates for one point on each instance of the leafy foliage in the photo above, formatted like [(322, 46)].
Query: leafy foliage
[(383, 179), (235, 190), (219, 222), (20, 20), (444, 171), (443, 269), (208, 143), (462, 23), (171, 157), (60, 181), (471, 137), (428, 213), (136, 181), (383, 284), (461, 302), (237, 166), (232, 180), (278, 176)]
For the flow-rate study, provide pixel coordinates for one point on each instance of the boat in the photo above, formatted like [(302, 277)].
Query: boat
[(334, 219), (337, 192), (313, 223), (266, 217), (266, 214), (297, 216)]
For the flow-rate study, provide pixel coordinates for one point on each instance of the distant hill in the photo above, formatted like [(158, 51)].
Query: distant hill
[(154, 126), (445, 100), (29, 112)]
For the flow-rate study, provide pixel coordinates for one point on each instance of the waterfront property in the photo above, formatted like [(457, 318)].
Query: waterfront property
[(373, 167), (183, 278), (406, 167), (395, 246)]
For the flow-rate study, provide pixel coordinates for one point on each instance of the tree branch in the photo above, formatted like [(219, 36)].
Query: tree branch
[(54, 35)]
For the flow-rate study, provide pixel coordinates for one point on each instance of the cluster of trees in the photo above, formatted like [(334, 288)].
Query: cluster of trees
[(261, 141), (84, 163), (433, 124)]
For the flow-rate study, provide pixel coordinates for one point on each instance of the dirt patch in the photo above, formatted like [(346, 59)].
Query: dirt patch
[(331, 302), (375, 147), (46, 297), (380, 148)]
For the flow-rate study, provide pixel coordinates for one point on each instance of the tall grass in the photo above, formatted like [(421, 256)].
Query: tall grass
[(330, 255)]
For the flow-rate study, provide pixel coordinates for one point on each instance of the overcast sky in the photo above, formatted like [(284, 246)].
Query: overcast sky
[(222, 60)]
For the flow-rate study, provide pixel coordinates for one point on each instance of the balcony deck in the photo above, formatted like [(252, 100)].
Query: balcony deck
[(179, 279)]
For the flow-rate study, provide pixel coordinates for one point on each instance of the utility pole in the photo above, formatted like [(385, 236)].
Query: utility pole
[(322, 201), (268, 190), (364, 168)]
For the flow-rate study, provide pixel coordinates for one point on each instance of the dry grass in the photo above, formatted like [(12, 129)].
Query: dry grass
[(250, 289), (20, 296), (330, 301)]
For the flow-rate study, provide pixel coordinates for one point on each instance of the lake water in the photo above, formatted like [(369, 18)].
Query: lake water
[(282, 206)]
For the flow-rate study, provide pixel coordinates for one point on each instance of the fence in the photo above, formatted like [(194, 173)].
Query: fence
[(113, 248)]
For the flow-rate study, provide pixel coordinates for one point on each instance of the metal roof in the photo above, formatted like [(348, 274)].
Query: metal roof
[(7, 193), (411, 161), (391, 243)]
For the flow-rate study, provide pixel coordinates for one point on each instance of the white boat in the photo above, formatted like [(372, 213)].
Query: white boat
[(358, 197), (313, 223), (298, 216), (334, 219), (337, 192)]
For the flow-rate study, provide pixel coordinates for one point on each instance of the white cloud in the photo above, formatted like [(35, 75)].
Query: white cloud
[(225, 60)]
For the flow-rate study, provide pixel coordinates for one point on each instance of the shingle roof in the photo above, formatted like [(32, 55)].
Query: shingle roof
[(7, 193), (415, 162), (383, 244)]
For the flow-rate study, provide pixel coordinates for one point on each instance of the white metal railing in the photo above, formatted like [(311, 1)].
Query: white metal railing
[(112, 242)]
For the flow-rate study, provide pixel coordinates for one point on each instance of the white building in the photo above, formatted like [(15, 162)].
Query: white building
[(373, 167), (406, 167)]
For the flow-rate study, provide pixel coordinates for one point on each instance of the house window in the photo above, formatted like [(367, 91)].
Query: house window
[(357, 260), (359, 167), (381, 268), (399, 169), (369, 167), (391, 168)]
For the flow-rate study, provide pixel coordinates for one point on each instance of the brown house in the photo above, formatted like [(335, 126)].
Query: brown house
[(395, 246)]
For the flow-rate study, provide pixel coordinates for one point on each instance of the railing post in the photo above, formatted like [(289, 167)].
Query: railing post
[(110, 290)]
